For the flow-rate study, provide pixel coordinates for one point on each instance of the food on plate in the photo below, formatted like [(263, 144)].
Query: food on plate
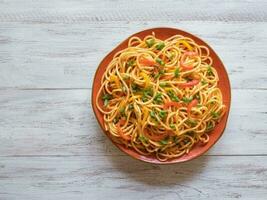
[(160, 97)]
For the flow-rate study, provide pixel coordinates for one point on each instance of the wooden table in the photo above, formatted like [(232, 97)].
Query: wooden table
[(51, 146)]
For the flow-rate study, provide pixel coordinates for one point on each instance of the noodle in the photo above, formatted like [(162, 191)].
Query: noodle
[(161, 97)]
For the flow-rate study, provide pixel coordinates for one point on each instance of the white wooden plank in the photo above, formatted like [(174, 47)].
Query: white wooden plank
[(61, 122), (120, 10), (121, 177), (67, 55)]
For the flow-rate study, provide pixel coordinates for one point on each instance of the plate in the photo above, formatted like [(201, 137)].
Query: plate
[(224, 85)]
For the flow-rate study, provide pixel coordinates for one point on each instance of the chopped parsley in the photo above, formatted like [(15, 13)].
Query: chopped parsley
[(173, 96), (162, 114), (159, 61), (150, 42), (176, 73), (209, 71), (214, 115), (187, 100), (158, 98), (160, 46), (106, 98)]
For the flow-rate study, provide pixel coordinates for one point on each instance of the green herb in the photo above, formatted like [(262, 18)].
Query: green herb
[(173, 96), (172, 55), (164, 142), (143, 139), (160, 46), (162, 114), (130, 63), (125, 77), (148, 92), (163, 84), (158, 98), (209, 127), (150, 42), (122, 111), (106, 98), (135, 88), (203, 82), (131, 107), (215, 115), (159, 61), (106, 102), (191, 122), (144, 98), (123, 89), (161, 72), (199, 105), (152, 114), (115, 120), (196, 96), (187, 100), (190, 133), (175, 139), (209, 71), (172, 126), (176, 73)]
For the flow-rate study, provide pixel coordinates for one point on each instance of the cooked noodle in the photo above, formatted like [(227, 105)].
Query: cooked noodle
[(160, 97)]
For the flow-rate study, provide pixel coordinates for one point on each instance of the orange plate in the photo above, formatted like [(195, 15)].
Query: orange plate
[(224, 85)]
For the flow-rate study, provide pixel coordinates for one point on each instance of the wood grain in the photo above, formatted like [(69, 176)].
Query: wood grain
[(61, 122), (121, 177), (51, 145), (71, 11), (30, 62)]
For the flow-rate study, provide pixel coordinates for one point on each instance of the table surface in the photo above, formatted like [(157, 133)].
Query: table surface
[(51, 146)]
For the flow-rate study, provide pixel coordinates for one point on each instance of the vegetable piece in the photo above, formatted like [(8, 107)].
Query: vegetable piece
[(158, 98), (158, 75), (215, 115), (115, 79), (192, 104), (131, 107), (165, 141), (176, 73), (106, 98), (143, 139), (147, 61), (147, 92), (203, 82), (130, 63), (209, 71), (188, 84), (163, 84), (172, 126), (122, 111), (160, 46), (146, 78), (119, 130), (187, 100), (191, 122), (184, 56), (209, 127), (159, 61), (170, 104), (150, 42), (162, 114), (186, 44), (135, 88), (156, 137), (173, 96), (152, 114)]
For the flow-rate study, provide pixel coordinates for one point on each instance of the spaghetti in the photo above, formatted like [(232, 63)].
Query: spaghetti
[(161, 97)]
